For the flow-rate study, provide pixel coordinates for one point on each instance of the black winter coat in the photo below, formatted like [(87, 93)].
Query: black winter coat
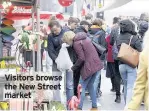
[(125, 38), (80, 29), (127, 29), (54, 44)]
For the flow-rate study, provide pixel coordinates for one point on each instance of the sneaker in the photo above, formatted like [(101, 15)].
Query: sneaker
[(86, 93), (98, 104)]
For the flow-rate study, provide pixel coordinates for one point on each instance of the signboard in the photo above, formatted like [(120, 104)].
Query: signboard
[(18, 10)]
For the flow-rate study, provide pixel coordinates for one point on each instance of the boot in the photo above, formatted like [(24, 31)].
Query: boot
[(118, 99), (113, 90), (94, 109)]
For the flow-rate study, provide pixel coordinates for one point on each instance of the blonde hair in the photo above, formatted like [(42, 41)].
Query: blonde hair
[(68, 36)]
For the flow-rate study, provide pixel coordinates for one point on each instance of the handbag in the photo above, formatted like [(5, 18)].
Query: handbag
[(128, 55)]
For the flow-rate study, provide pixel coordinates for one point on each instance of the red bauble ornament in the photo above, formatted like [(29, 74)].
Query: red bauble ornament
[(65, 3), (60, 16)]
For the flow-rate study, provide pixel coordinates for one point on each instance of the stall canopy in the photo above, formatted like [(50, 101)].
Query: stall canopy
[(22, 9)]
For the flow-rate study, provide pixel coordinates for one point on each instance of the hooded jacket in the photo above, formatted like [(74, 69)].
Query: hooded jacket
[(127, 29), (88, 60)]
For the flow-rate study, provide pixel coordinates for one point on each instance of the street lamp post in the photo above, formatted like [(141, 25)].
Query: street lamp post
[(38, 38), (1, 45)]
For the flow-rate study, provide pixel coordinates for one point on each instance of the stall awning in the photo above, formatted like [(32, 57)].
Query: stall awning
[(25, 12)]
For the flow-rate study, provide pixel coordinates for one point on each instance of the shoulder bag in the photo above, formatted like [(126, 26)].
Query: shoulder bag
[(128, 55)]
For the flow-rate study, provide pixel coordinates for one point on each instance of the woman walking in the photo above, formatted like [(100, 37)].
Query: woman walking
[(128, 74)]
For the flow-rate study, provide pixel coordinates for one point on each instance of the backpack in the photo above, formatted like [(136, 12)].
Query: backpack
[(99, 47), (96, 37)]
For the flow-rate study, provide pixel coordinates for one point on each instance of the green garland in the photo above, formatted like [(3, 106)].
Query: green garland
[(7, 58)]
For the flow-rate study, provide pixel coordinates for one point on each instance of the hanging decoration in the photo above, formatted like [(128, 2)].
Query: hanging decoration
[(84, 9), (65, 3)]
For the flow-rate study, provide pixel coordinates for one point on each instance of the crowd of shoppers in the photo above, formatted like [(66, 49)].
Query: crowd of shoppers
[(88, 62)]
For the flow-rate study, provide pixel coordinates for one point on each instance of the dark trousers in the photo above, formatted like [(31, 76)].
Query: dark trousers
[(76, 78), (117, 78), (113, 82)]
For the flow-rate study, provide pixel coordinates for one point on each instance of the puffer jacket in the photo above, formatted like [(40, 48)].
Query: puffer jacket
[(127, 29), (88, 60)]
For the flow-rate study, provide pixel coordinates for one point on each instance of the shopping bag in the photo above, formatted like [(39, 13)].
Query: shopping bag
[(128, 55), (63, 60)]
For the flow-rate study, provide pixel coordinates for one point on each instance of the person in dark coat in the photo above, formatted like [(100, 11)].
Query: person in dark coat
[(128, 74), (84, 27), (113, 36), (94, 29), (110, 71), (88, 61), (54, 46)]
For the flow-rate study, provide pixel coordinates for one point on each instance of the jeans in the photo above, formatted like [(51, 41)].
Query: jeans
[(128, 75), (97, 82), (69, 85), (90, 84)]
